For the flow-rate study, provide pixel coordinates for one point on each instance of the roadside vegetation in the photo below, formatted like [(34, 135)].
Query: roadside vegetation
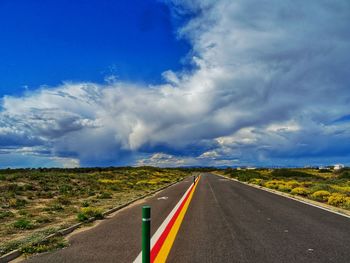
[(322, 185), (37, 202)]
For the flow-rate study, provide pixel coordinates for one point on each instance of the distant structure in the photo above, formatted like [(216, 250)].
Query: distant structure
[(324, 168), (251, 168), (338, 166)]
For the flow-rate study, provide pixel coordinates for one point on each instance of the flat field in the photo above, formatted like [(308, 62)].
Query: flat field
[(37, 202)]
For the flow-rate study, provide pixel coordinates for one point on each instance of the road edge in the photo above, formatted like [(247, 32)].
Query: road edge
[(331, 209), (14, 254)]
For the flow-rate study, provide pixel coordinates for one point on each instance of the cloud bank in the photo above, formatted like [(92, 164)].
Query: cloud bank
[(270, 85)]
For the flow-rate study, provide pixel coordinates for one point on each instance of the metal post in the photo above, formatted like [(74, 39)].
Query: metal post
[(146, 234), (194, 179)]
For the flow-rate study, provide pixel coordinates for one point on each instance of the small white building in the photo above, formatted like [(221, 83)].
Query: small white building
[(323, 168), (338, 166)]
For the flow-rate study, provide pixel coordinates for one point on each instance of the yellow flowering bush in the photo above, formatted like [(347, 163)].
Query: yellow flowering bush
[(292, 184), (300, 191), (347, 202), (88, 212), (256, 181), (336, 199), (321, 195), (284, 187), (273, 184), (110, 181)]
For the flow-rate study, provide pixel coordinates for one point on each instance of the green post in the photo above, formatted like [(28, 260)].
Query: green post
[(146, 234)]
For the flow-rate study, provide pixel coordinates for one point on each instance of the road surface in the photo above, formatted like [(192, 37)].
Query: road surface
[(225, 221)]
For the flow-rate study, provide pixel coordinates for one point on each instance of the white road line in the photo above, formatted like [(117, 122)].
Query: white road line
[(160, 230)]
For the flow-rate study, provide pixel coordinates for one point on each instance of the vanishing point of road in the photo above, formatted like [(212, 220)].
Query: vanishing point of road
[(222, 221)]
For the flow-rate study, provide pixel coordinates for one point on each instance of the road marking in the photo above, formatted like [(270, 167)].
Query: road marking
[(164, 249), (168, 226), (162, 198)]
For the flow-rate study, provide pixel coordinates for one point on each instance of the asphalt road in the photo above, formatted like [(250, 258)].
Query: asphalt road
[(226, 222), (231, 222)]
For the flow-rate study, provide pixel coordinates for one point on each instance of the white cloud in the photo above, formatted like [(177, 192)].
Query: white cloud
[(209, 154), (164, 160), (269, 80), (66, 162)]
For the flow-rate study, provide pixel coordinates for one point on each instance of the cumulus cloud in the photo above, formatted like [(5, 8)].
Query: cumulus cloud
[(269, 84), (164, 160)]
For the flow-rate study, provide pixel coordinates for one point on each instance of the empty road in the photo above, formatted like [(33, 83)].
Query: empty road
[(224, 221)]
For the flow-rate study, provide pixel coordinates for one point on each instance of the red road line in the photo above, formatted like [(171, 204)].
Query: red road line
[(158, 245)]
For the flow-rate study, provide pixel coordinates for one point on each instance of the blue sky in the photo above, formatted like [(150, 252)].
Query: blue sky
[(48, 42), (174, 83)]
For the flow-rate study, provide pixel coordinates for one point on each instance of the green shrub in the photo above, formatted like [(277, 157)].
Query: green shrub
[(114, 187), (65, 189), (85, 204), (300, 191), (324, 171), (17, 203), (23, 224), (13, 188), (63, 200), (88, 212), (5, 214), (244, 175), (82, 217), (321, 186), (45, 194), (321, 195), (43, 220), (28, 187), (307, 184), (342, 189), (24, 213), (54, 207), (289, 173), (344, 173), (91, 193), (105, 195), (44, 246)]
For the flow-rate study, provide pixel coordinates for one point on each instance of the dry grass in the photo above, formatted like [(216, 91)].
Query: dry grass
[(34, 203)]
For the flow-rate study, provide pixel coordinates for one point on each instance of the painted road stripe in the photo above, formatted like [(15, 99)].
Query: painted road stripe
[(167, 221), (168, 242)]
